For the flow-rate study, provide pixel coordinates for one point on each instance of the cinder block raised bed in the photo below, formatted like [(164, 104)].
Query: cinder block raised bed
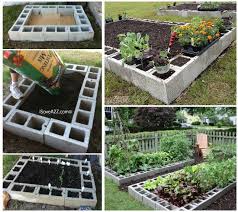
[(67, 133), (150, 199), (124, 179), (71, 181), (168, 88), (77, 28)]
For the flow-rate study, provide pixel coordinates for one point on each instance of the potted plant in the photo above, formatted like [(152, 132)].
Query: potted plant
[(161, 62), (133, 47)]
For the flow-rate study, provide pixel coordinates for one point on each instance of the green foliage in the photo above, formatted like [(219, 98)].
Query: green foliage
[(221, 152), (209, 5), (177, 146), (133, 45), (183, 186), (196, 123)]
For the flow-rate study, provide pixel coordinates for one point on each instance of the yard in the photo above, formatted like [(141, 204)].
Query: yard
[(13, 143), (11, 13), (170, 169), (216, 85)]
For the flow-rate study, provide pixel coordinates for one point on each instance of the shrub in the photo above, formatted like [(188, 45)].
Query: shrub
[(196, 123), (178, 146)]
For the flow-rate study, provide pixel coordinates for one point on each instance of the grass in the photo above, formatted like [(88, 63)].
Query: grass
[(217, 85), (8, 163), (11, 13), (120, 200)]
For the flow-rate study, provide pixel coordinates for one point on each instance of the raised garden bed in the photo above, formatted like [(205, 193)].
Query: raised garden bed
[(191, 9), (71, 181), (183, 69), (125, 179), (52, 23), (63, 122), (192, 188)]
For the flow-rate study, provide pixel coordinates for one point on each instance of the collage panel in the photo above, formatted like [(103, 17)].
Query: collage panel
[(170, 158), (170, 53), (52, 182)]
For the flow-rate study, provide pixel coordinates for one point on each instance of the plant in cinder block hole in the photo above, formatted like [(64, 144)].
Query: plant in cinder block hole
[(161, 62), (133, 47)]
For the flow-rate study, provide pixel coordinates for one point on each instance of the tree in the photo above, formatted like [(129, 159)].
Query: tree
[(152, 119)]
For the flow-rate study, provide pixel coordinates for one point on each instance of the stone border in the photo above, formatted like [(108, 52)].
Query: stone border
[(80, 31), (149, 199), (169, 89), (122, 179), (188, 13), (31, 192), (96, 9), (66, 137)]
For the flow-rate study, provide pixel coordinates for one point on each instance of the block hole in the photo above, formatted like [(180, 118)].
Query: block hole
[(69, 7), (57, 128), (85, 169), (74, 29), (80, 68), (88, 92), (85, 29), (23, 16), (6, 184), (88, 184), (27, 29), (50, 29), (77, 134), (86, 177), (85, 105), (20, 163), (81, 16), (11, 101), (94, 70), (25, 157), (73, 194), (26, 82), (79, 11), (92, 76), (56, 192), (6, 110), (44, 191), (87, 195), (70, 66), (83, 21), (90, 84), (19, 118), (60, 29), (36, 123), (26, 11), (17, 188), (29, 189), (20, 22), (16, 169), (37, 29), (23, 89), (15, 28), (82, 118)]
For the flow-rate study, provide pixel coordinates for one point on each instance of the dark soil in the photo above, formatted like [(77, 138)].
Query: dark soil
[(63, 104), (187, 6), (164, 76), (159, 34), (180, 61), (43, 174)]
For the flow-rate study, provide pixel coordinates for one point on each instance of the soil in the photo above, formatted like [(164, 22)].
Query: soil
[(164, 76), (159, 34), (187, 6), (43, 174), (55, 19), (63, 104), (180, 61)]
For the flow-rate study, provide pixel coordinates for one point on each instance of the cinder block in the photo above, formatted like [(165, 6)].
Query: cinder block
[(26, 125), (7, 110)]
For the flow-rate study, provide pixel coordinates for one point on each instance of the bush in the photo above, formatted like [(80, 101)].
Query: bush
[(196, 123), (178, 146)]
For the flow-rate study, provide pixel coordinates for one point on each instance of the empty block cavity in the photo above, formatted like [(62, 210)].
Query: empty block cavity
[(6, 184), (57, 128), (37, 29), (60, 29), (20, 22), (87, 195), (70, 66), (27, 29), (88, 92), (15, 28), (50, 29), (56, 192), (77, 134), (11, 177), (19, 118), (74, 29), (82, 118), (23, 16), (85, 29), (85, 105), (80, 67), (29, 189), (36, 123), (86, 177), (16, 169), (6, 110), (92, 75), (88, 184), (26, 82), (73, 194), (44, 191), (83, 21), (94, 70), (17, 187), (90, 84), (11, 101), (23, 88)]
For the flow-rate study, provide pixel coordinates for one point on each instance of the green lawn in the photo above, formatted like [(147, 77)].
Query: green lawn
[(11, 13), (8, 163), (120, 200), (215, 86)]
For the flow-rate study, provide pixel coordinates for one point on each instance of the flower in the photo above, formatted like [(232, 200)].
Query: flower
[(209, 37), (218, 34)]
